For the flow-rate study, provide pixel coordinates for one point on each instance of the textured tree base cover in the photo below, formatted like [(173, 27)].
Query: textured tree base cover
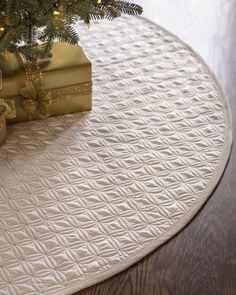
[(85, 196)]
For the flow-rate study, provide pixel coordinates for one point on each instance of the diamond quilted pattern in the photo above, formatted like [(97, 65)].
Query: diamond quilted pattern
[(84, 196)]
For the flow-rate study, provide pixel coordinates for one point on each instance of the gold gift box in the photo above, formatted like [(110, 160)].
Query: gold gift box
[(67, 75)]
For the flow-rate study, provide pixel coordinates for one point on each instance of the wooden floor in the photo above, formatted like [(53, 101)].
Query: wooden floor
[(201, 259)]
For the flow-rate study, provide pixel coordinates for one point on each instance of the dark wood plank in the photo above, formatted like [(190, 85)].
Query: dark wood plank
[(201, 259)]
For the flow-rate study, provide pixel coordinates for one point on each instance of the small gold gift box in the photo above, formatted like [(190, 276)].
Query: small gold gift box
[(65, 84)]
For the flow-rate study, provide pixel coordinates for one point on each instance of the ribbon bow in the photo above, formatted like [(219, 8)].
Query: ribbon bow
[(6, 110), (36, 99)]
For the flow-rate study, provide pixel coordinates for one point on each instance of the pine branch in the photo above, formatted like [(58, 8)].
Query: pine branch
[(26, 23), (128, 8)]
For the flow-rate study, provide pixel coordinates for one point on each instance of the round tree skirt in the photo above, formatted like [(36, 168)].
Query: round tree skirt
[(85, 196)]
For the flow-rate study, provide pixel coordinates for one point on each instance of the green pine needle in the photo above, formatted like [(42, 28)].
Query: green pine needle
[(26, 23)]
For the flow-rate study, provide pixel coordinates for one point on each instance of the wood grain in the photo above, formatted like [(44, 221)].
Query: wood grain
[(201, 259)]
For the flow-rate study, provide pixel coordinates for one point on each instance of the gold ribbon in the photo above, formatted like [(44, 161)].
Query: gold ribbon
[(5, 110), (36, 99)]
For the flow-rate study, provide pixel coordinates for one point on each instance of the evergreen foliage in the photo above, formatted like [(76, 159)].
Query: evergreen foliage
[(26, 23)]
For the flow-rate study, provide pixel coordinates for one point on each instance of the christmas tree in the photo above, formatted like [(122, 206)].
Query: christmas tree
[(26, 23)]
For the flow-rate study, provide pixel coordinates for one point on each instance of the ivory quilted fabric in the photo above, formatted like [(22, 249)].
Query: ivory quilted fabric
[(84, 196)]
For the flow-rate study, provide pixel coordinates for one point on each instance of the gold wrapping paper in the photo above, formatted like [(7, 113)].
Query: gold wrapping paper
[(67, 75)]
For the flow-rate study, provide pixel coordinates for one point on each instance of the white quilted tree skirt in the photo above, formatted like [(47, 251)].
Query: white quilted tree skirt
[(83, 197)]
